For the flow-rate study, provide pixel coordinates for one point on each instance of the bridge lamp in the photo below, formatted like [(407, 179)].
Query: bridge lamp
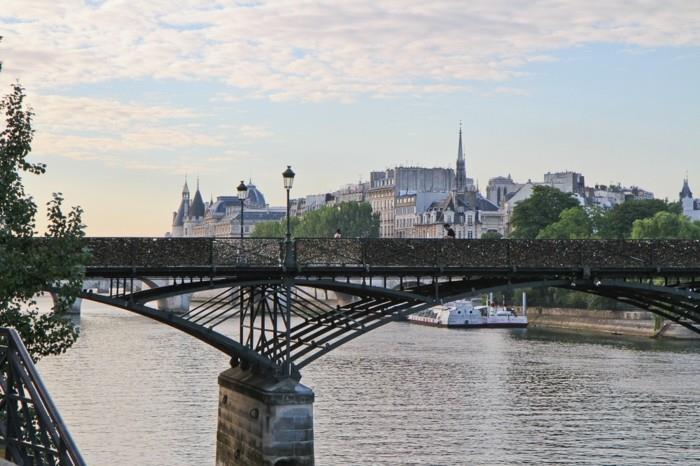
[(242, 196), (288, 176)]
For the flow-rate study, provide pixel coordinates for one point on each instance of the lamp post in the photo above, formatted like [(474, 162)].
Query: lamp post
[(242, 196), (288, 176)]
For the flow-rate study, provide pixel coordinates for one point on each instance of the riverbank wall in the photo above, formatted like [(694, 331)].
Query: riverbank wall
[(634, 323)]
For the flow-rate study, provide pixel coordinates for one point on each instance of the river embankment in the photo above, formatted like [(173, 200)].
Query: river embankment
[(633, 322)]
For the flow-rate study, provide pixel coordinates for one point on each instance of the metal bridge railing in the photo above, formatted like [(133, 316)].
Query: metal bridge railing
[(371, 252), (30, 425)]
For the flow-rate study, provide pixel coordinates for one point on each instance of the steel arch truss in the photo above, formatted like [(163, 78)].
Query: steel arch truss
[(268, 325), (675, 303), (278, 325)]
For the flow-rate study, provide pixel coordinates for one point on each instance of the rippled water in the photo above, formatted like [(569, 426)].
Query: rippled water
[(135, 392)]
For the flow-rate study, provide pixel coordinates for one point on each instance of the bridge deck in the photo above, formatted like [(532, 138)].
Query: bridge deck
[(220, 256)]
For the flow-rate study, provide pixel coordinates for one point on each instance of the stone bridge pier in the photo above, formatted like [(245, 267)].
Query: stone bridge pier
[(264, 421)]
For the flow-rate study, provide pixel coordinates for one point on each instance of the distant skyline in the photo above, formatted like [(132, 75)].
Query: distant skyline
[(131, 96)]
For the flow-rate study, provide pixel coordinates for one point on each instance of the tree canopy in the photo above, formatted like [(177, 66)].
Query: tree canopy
[(354, 219), (666, 225), (573, 223), (29, 265), (617, 222), (540, 210)]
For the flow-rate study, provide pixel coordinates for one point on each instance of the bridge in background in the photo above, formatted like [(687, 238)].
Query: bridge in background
[(265, 314)]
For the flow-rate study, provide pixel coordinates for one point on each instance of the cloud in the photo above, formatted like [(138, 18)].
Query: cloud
[(319, 51), (113, 132), (60, 113)]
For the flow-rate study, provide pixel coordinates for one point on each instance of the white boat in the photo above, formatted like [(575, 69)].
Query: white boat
[(463, 314)]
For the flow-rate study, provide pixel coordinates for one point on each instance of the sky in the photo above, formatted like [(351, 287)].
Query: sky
[(132, 96)]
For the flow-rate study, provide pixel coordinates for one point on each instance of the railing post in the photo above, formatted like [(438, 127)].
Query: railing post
[(363, 252), (508, 255), (132, 258)]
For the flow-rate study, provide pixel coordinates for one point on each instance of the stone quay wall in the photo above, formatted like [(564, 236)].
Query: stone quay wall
[(633, 323)]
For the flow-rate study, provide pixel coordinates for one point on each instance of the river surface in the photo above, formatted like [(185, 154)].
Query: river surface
[(135, 392)]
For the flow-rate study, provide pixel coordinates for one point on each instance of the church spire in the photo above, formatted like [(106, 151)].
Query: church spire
[(685, 192), (461, 172)]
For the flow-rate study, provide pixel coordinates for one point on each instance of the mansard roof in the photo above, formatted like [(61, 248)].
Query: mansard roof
[(267, 215), (222, 202), (485, 204)]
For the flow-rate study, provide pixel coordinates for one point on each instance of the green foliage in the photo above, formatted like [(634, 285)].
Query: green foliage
[(491, 235), (540, 210), (29, 265), (666, 225), (354, 219), (617, 223), (557, 297), (274, 229), (574, 223)]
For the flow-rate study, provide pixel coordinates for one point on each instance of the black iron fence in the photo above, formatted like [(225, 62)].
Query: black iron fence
[(310, 252), (31, 428)]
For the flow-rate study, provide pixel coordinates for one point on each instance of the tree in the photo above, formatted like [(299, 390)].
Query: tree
[(29, 265), (666, 225), (617, 223), (539, 210), (354, 219), (491, 235), (574, 223), (274, 229)]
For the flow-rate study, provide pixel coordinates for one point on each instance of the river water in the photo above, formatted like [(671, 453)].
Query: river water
[(136, 392)]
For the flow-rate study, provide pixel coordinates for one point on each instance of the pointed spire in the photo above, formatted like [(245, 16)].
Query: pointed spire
[(460, 153), (686, 192), (461, 169), (197, 182), (185, 188)]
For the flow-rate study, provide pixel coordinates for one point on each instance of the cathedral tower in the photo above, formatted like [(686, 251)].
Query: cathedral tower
[(461, 172)]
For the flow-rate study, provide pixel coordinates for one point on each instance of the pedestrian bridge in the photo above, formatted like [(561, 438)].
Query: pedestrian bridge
[(262, 308)]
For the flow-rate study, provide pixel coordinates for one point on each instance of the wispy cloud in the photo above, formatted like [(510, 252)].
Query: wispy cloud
[(318, 51)]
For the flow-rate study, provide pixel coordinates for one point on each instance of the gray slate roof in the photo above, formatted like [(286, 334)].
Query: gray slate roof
[(685, 192)]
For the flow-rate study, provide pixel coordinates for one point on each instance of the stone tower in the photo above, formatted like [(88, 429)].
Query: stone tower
[(183, 212)]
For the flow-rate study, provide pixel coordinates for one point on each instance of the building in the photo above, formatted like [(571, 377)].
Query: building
[(381, 197), (469, 214), (690, 206), (354, 192), (500, 187), (568, 182), (408, 208), (222, 218), (610, 196)]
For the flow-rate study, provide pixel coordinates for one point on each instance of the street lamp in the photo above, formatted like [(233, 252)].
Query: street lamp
[(288, 176), (289, 260), (242, 195)]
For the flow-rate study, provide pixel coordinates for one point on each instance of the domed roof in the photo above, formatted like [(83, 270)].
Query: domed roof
[(255, 198)]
